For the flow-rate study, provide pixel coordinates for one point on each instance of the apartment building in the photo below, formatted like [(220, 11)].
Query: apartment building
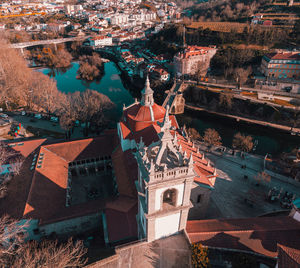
[(281, 65)]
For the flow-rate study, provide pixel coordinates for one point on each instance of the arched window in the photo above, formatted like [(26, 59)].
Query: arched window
[(169, 198)]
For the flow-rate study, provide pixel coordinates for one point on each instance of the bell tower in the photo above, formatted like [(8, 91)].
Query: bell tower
[(164, 185), (147, 94)]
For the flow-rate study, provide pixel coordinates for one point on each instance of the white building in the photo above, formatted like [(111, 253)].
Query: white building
[(99, 41), (119, 19)]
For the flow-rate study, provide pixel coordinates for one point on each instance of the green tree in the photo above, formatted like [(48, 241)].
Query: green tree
[(199, 256)]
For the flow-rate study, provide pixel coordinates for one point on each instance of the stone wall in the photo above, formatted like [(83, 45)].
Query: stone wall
[(198, 211)]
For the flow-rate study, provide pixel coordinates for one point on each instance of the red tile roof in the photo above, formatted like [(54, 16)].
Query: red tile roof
[(259, 235), (121, 219), (47, 197), (126, 172), (203, 170), (137, 117), (26, 147), (288, 257), (284, 56)]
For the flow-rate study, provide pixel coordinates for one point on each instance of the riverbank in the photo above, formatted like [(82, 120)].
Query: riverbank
[(295, 131)]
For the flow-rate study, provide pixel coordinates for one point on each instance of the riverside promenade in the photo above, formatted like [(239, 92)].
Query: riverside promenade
[(295, 131)]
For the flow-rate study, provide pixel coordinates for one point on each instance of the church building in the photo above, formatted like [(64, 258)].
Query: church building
[(173, 179), (141, 181)]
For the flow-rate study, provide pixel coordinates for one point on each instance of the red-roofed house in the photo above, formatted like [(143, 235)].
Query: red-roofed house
[(281, 65)]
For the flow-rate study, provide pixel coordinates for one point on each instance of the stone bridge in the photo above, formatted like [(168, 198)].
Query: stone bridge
[(48, 42)]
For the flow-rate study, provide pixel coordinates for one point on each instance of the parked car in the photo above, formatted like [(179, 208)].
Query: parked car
[(4, 115), (38, 116), (23, 113), (54, 119)]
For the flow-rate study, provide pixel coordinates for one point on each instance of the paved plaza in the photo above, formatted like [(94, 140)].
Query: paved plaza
[(231, 187)]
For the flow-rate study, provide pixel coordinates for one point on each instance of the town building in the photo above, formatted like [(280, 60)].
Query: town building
[(98, 41), (282, 65), (193, 58)]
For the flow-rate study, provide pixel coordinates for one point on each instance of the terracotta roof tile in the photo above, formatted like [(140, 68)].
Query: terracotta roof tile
[(284, 56), (125, 168), (26, 147), (84, 148), (288, 257), (121, 225), (47, 197), (259, 235)]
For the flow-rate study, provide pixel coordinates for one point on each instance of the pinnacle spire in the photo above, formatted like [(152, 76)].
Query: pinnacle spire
[(191, 160)]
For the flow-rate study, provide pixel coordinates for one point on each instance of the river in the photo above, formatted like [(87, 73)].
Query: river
[(268, 140)]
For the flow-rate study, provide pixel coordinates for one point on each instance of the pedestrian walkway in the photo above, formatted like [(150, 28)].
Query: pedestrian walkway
[(232, 187)]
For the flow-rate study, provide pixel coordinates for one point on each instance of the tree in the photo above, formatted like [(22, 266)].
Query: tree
[(16, 252), (212, 137), (241, 142), (194, 134), (201, 69), (225, 100), (46, 94), (88, 106), (11, 239), (62, 58), (15, 77), (91, 67), (51, 254), (199, 256), (241, 75)]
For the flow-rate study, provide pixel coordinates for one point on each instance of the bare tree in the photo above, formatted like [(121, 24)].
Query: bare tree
[(194, 134), (16, 252), (212, 137), (242, 142), (241, 75), (91, 67), (46, 94), (225, 100), (88, 107), (16, 165), (52, 254), (93, 105), (11, 238), (14, 75)]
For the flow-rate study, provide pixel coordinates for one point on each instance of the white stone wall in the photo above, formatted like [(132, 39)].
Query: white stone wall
[(159, 195), (167, 225)]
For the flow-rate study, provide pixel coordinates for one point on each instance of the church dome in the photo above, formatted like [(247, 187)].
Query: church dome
[(145, 113), (140, 116)]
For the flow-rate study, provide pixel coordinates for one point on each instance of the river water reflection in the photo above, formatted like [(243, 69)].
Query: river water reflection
[(268, 140)]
